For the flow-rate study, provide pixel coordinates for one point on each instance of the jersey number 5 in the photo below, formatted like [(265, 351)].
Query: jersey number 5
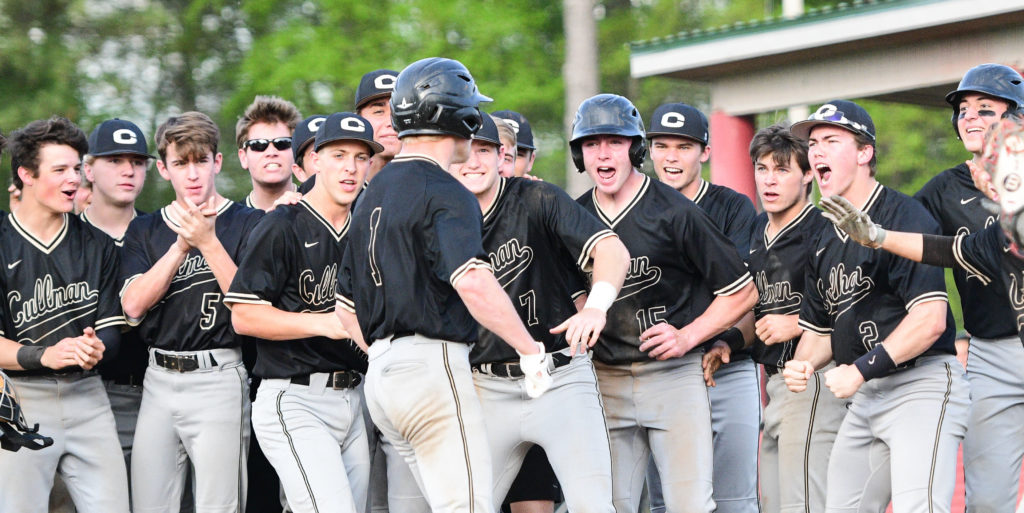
[(209, 310)]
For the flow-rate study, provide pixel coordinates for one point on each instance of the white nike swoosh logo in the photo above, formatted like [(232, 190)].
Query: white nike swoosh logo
[(872, 360), (753, 251), (818, 253), (13, 265), (966, 201), (311, 244)]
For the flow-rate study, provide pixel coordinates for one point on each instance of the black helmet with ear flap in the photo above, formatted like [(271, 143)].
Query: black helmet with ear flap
[(436, 96), (608, 114), (995, 80)]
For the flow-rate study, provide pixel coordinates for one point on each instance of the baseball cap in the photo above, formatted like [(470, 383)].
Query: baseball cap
[(118, 137), (305, 131), (679, 119), (519, 124), (346, 126), (488, 131), (841, 113), (375, 84)]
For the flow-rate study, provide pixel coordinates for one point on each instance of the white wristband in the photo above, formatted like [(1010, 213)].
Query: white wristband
[(601, 296)]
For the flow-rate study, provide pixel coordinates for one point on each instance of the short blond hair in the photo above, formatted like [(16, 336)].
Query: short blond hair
[(506, 133)]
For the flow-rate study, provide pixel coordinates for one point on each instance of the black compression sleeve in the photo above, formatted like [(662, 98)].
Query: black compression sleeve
[(937, 250), (111, 338)]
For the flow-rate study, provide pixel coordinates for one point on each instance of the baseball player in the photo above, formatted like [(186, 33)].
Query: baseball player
[(264, 138), (886, 323), (686, 285), (507, 136), (177, 264), (284, 295), (416, 273), (373, 98), (679, 146), (992, 448), (60, 317), (302, 149), (539, 240), (526, 152), (799, 429), (116, 165)]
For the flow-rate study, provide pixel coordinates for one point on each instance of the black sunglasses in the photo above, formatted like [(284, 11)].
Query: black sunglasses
[(281, 143)]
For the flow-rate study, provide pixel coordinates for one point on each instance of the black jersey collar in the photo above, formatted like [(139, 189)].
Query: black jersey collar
[(327, 224), (768, 241), (220, 210), (610, 221), (701, 191), (417, 156), (502, 183), (45, 247), (118, 241), (248, 201)]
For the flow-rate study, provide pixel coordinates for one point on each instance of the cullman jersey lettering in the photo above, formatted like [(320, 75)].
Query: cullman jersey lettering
[(415, 231), (539, 241), (986, 254), (679, 262), (295, 269), (55, 289), (859, 295), (778, 264), (956, 204), (193, 303)]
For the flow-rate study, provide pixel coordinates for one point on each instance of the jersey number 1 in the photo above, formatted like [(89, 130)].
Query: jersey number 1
[(372, 250)]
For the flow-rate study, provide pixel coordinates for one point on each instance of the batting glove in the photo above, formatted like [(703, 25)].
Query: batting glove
[(535, 369), (851, 220)]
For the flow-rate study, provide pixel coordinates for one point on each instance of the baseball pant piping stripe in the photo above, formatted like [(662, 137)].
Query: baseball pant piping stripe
[(938, 433), (462, 426), (807, 446), (242, 449), (295, 454), (600, 401)]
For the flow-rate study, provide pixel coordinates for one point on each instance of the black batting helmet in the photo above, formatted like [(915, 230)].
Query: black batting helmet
[(608, 114), (995, 80), (436, 96), (14, 431)]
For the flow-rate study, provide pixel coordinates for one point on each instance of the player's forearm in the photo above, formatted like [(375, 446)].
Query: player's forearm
[(814, 348), (270, 323), (220, 263), (922, 326), (723, 313), (488, 303), (746, 327), (146, 290), (906, 245), (351, 324), (611, 262)]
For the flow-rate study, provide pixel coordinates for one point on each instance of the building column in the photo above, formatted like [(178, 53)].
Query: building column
[(730, 153)]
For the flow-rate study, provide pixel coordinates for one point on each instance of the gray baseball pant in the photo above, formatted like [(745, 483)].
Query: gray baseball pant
[(659, 408), (994, 444), (567, 421), (200, 416), (799, 430), (899, 440), (74, 410)]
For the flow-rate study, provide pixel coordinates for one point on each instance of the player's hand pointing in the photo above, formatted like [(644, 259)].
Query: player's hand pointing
[(796, 374), (844, 380), (662, 341), (582, 329)]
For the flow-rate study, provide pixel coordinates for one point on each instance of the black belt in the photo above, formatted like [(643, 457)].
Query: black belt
[(513, 370), (135, 381), (180, 363), (337, 380), (402, 334)]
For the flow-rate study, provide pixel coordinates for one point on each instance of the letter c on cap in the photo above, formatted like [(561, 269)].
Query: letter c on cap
[(353, 125), (124, 136), (314, 124), (384, 82), (673, 120)]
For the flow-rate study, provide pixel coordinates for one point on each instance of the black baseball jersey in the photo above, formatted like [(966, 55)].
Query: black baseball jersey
[(859, 295), (778, 265), (955, 203), (538, 240), (295, 270), (132, 358), (415, 231), (307, 186), (732, 212), (191, 316), (55, 289), (679, 262), (986, 254)]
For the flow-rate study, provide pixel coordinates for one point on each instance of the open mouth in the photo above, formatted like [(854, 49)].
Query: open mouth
[(69, 193), (605, 173), (769, 196), (673, 171), (824, 173)]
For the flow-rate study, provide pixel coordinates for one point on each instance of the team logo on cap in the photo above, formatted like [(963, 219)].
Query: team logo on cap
[(353, 124), (514, 125), (314, 124), (673, 120), (404, 105), (829, 112), (124, 136), (385, 82)]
